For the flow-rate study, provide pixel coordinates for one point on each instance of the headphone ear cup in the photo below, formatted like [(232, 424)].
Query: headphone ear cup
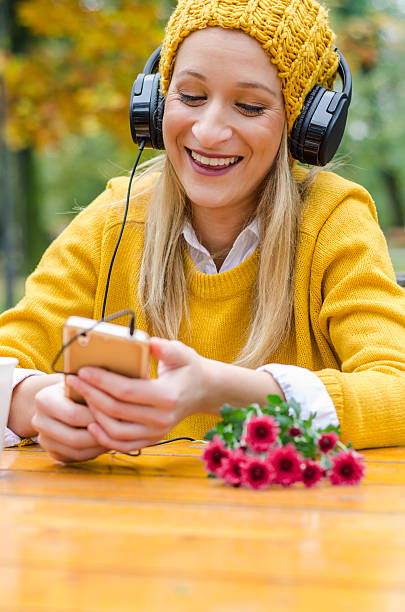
[(156, 110), (298, 133), (318, 131)]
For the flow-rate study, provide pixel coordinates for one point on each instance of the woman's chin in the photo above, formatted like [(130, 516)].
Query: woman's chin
[(210, 199)]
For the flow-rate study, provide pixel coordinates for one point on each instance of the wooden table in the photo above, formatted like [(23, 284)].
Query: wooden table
[(153, 533)]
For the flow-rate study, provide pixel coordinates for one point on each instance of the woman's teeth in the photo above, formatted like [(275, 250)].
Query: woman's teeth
[(214, 161)]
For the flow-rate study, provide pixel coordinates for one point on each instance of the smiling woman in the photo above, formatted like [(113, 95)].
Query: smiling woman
[(255, 275)]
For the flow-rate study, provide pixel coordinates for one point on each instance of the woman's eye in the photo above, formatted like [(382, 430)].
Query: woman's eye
[(250, 109), (191, 100)]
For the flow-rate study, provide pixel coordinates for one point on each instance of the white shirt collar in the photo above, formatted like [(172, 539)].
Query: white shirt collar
[(242, 248)]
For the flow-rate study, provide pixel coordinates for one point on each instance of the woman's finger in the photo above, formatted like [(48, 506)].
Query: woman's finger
[(125, 411), (107, 442), (123, 388), (171, 353), (101, 399), (122, 430), (53, 402), (74, 437), (66, 454)]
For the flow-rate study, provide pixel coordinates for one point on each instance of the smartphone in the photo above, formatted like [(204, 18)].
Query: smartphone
[(106, 346)]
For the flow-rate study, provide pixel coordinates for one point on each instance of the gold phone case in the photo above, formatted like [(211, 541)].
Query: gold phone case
[(107, 346)]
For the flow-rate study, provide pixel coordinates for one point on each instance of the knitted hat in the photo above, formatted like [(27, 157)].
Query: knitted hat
[(294, 33)]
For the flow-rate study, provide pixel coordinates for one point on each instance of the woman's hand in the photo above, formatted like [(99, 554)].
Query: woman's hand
[(62, 426), (128, 413)]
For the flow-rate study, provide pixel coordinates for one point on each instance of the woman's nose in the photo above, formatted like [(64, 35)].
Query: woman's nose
[(211, 127)]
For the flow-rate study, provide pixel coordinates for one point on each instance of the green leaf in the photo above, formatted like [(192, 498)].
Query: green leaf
[(284, 420), (228, 436), (285, 439), (210, 434), (253, 409), (211, 475), (226, 411), (238, 415), (274, 400), (238, 430), (308, 421), (220, 427)]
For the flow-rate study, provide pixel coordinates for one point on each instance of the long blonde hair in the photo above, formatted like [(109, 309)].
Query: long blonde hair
[(162, 285)]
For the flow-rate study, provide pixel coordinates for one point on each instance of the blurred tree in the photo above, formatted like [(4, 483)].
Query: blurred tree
[(66, 67), (77, 73), (372, 36), (16, 199)]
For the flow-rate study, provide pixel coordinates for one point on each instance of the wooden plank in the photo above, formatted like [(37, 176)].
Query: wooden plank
[(238, 545), (167, 483), (52, 590), (28, 454)]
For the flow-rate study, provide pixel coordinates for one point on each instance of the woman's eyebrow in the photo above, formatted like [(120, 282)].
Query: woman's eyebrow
[(255, 85), (244, 84), (193, 73)]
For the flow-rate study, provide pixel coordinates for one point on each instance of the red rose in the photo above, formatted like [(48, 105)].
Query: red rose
[(347, 468), (214, 454), (256, 473), (231, 467), (286, 461), (311, 473), (260, 433), (327, 442)]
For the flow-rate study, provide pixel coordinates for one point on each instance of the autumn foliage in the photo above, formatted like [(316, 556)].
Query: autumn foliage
[(77, 72)]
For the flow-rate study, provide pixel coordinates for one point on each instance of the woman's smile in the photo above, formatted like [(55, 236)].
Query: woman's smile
[(212, 165)]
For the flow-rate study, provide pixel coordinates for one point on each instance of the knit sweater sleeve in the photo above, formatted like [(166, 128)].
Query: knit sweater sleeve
[(361, 314), (64, 283)]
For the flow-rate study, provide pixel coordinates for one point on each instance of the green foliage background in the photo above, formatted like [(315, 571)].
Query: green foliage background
[(67, 67)]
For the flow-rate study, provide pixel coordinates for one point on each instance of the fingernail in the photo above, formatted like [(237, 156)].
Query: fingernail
[(72, 380), (85, 373)]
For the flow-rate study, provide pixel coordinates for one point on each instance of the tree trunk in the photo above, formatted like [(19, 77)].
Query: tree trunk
[(22, 234)]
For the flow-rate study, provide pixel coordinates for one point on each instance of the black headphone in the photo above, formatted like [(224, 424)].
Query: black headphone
[(315, 136)]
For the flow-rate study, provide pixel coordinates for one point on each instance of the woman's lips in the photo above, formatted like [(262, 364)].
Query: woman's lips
[(208, 170)]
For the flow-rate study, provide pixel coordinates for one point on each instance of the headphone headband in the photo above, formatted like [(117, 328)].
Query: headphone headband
[(345, 74), (153, 61)]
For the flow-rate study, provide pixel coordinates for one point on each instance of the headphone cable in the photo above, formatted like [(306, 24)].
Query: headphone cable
[(141, 148)]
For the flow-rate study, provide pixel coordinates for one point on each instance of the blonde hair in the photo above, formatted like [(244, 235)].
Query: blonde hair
[(162, 285)]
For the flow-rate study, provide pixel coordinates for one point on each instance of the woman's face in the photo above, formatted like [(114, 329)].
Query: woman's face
[(223, 119)]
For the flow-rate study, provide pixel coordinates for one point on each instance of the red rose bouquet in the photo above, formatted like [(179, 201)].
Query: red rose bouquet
[(256, 447)]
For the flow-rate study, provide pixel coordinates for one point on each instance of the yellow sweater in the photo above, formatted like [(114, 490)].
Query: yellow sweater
[(349, 314)]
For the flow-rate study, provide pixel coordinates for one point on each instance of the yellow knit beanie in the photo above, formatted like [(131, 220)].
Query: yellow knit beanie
[(294, 33)]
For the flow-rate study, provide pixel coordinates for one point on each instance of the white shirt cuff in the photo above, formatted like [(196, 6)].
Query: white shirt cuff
[(307, 390), (10, 438)]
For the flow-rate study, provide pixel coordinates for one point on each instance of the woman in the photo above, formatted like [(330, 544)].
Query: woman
[(249, 265)]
